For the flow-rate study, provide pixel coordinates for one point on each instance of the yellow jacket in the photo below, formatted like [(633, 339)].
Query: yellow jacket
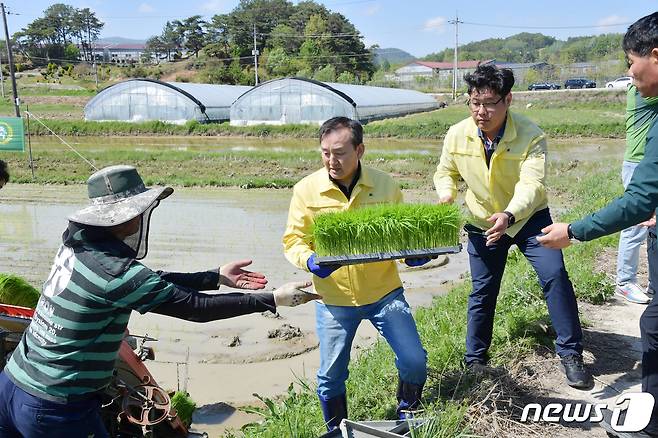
[(353, 285), (514, 180)]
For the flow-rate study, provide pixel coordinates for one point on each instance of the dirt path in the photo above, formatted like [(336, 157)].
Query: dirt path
[(612, 353)]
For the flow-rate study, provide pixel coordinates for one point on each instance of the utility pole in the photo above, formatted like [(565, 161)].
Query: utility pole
[(255, 52), (2, 79), (456, 58), (10, 59)]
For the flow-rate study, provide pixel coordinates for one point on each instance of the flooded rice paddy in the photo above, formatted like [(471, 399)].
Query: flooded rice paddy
[(201, 228), (581, 148)]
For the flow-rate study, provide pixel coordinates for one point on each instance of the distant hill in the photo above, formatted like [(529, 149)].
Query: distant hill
[(533, 47), (393, 56), (119, 40)]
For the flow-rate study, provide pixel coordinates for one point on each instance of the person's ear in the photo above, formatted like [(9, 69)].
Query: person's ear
[(508, 99), (654, 55), (360, 149)]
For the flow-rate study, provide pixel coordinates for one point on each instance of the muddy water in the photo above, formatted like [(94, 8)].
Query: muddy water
[(579, 148), (197, 229), (215, 144)]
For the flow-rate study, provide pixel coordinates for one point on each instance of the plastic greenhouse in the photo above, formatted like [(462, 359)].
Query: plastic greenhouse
[(137, 100), (299, 100)]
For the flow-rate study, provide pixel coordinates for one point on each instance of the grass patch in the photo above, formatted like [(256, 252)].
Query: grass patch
[(189, 168), (83, 127), (386, 228), (574, 120), (16, 291), (184, 406), (559, 119)]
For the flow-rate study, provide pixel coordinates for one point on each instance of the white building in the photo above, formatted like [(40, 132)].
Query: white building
[(435, 70), (118, 53)]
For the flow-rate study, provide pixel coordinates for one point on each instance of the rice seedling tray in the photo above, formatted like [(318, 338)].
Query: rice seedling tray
[(354, 259)]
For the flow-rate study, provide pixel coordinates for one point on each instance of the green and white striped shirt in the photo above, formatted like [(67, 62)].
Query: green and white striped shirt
[(69, 350)]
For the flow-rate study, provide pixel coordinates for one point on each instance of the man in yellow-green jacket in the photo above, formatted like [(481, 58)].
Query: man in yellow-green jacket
[(501, 156), (351, 294)]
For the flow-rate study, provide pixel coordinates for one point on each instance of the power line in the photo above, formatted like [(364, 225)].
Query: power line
[(322, 35), (178, 17), (239, 58), (512, 26)]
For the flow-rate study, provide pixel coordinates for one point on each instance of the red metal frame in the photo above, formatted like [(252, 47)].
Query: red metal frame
[(16, 311), (126, 354)]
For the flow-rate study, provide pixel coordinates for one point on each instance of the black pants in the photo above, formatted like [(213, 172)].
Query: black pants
[(487, 267), (649, 335)]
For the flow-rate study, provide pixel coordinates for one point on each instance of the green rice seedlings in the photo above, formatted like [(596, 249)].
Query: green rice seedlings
[(386, 228), (184, 406), (15, 291)]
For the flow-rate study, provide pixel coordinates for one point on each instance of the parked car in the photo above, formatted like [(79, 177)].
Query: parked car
[(579, 83), (543, 86), (623, 82)]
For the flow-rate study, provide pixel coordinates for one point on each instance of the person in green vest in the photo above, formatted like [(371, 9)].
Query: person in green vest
[(640, 114), (638, 203)]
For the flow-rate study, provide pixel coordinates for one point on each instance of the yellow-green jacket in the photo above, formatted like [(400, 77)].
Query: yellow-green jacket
[(353, 285), (514, 180)]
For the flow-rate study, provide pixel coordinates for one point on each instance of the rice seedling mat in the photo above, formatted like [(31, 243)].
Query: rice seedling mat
[(374, 233), (356, 259)]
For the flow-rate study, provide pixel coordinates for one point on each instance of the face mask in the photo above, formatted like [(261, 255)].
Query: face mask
[(139, 240)]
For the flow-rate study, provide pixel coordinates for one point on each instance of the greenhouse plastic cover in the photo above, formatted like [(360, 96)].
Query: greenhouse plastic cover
[(300, 100), (138, 100)]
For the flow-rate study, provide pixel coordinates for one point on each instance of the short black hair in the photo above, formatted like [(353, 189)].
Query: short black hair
[(642, 36), (4, 173), (498, 80), (335, 123)]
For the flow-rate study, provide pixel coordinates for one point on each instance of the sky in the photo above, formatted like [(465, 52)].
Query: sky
[(418, 27)]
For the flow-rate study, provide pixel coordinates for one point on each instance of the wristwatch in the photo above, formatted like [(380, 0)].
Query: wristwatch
[(510, 218), (570, 233)]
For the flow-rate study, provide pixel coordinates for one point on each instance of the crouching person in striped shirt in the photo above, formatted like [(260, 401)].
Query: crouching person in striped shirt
[(52, 383)]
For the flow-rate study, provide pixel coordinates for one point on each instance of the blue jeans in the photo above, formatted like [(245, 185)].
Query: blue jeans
[(630, 239), (25, 416), (336, 327), (487, 267)]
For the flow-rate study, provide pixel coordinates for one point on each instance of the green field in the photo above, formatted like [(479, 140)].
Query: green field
[(562, 114)]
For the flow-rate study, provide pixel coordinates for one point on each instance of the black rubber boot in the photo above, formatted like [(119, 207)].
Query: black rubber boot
[(334, 410), (408, 396)]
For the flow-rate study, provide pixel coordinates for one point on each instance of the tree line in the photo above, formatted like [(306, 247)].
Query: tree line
[(535, 47), (305, 39), (63, 33)]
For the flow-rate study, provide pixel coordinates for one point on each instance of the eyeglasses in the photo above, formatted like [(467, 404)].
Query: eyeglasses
[(488, 106)]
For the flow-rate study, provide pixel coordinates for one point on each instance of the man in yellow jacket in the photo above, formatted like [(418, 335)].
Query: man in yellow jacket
[(501, 156), (352, 293)]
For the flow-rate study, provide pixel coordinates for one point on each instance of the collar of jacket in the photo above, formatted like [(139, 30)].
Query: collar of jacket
[(509, 135), (97, 246), (326, 185)]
